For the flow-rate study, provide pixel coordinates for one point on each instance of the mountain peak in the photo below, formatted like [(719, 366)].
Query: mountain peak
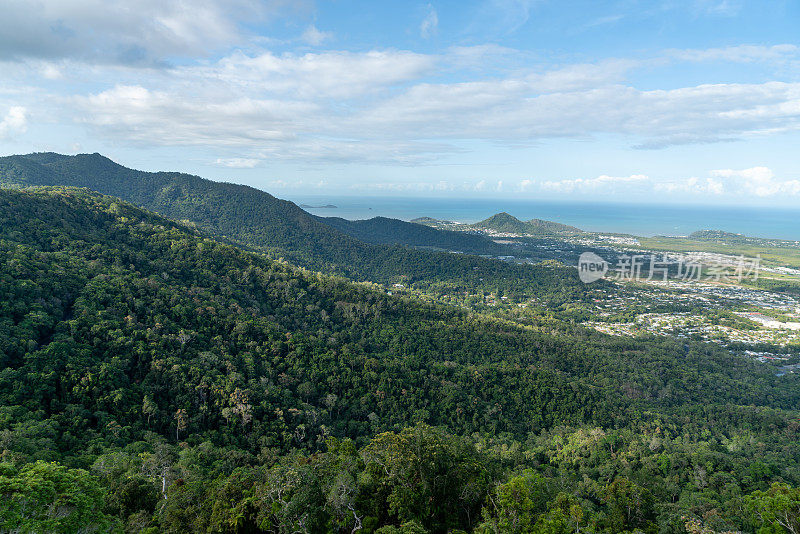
[(502, 222), (95, 158), (503, 216)]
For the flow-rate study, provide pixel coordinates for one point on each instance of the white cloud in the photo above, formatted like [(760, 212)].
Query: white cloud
[(347, 100), (314, 36), (297, 184), (119, 31), (141, 115), (51, 71), (326, 74), (15, 122), (692, 185), (238, 163), (759, 181), (738, 54), (573, 102), (429, 24), (262, 129), (593, 184)]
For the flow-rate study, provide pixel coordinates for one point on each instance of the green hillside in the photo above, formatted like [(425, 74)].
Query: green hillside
[(154, 379)]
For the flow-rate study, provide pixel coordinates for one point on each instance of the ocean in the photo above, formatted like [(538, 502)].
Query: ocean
[(637, 219)]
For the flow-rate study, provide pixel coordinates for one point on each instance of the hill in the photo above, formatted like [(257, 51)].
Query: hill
[(154, 378), (505, 223), (714, 235)]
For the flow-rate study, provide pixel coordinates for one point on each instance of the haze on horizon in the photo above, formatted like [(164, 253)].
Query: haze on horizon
[(623, 100)]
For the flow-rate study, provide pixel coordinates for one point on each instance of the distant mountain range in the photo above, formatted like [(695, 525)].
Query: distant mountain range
[(361, 250)]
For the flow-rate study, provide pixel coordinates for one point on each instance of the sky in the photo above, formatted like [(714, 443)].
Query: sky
[(694, 101)]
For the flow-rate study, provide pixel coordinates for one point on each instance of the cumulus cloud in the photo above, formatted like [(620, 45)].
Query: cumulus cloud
[(759, 181), (339, 100), (15, 121), (593, 184)]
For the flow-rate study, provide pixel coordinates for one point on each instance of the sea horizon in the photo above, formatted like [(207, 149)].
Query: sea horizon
[(641, 219)]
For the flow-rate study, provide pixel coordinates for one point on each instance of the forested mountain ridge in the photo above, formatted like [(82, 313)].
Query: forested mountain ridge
[(253, 218), (383, 230), (202, 387)]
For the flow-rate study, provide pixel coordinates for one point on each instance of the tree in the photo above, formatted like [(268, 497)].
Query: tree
[(776, 510), (181, 422), (427, 475), (630, 506), (516, 505), (340, 468), (149, 407)]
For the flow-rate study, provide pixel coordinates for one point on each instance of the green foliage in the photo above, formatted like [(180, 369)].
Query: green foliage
[(776, 510), (47, 497), (517, 504), (427, 476)]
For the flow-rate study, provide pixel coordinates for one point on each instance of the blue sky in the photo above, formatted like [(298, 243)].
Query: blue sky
[(673, 101)]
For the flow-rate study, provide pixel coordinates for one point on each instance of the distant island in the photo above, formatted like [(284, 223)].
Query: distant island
[(326, 206)]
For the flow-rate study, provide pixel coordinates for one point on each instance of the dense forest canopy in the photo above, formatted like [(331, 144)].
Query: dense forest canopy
[(155, 378)]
